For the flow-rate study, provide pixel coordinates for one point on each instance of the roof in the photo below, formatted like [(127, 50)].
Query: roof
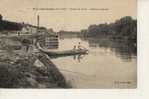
[(33, 26)]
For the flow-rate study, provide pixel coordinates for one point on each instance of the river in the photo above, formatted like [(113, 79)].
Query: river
[(107, 65)]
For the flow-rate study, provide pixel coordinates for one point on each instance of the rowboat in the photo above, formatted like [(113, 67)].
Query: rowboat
[(66, 52), (63, 53)]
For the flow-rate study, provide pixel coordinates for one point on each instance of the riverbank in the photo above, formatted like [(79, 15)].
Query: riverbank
[(30, 70)]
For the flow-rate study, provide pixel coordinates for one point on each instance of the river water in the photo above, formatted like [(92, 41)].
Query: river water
[(108, 64)]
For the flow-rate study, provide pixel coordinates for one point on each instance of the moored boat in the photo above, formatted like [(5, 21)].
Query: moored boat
[(63, 53), (66, 52)]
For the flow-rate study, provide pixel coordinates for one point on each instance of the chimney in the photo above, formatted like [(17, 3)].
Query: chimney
[(38, 19)]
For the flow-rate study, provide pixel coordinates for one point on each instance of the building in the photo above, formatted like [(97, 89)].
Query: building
[(47, 38)]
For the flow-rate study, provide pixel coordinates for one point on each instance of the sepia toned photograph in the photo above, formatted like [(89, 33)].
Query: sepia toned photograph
[(68, 44)]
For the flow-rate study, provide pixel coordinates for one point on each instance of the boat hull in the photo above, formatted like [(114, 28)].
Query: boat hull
[(66, 53)]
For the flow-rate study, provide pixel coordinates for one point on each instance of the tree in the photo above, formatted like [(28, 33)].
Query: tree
[(1, 17)]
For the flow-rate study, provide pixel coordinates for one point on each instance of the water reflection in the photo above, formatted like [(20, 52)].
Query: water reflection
[(78, 57), (121, 48), (108, 61)]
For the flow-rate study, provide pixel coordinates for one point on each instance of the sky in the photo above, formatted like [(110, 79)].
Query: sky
[(70, 20)]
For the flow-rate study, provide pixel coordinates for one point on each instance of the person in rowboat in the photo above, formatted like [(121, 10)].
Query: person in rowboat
[(80, 47), (74, 48)]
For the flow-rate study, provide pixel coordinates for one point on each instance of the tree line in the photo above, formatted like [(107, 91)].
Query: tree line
[(125, 28)]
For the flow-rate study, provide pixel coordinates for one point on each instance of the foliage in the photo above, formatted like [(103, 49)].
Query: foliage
[(125, 28)]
